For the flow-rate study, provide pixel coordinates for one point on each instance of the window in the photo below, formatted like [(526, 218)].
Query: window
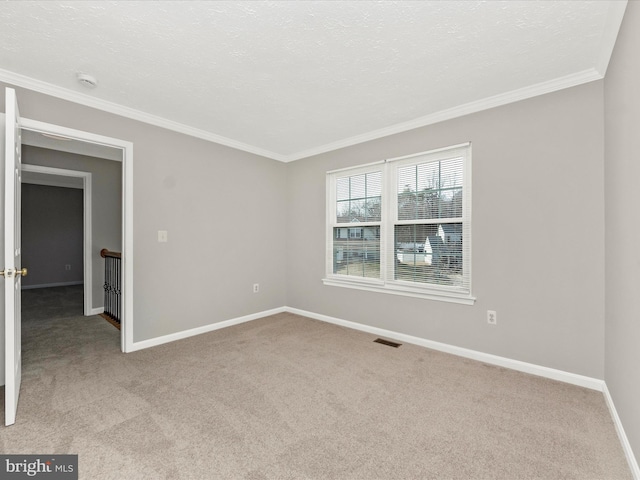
[(357, 200), (403, 226)]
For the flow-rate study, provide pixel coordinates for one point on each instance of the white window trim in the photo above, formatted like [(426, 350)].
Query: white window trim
[(392, 286)]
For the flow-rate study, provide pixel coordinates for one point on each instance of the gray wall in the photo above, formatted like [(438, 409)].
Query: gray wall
[(106, 202), (538, 234), (622, 254), (225, 211), (52, 235)]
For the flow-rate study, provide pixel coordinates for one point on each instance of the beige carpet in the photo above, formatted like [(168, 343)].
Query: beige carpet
[(286, 397)]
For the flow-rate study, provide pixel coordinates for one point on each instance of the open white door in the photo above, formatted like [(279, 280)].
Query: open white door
[(13, 271)]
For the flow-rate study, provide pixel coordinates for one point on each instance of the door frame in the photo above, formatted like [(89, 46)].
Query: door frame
[(86, 226), (126, 337)]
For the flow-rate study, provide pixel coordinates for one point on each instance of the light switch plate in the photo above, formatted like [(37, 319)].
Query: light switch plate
[(163, 236)]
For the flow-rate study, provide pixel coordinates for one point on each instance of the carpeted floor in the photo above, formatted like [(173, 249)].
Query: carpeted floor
[(286, 397), (54, 302)]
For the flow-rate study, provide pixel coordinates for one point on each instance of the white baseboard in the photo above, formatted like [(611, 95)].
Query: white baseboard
[(51, 285), (560, 375), (96, 311), (546, 372), (626, 446), (204, 329)]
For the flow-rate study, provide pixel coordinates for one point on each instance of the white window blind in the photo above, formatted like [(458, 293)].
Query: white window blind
[(355, 223), (403, 226), (430, 221)]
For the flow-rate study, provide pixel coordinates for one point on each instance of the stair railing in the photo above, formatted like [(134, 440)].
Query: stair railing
[(112, 285)]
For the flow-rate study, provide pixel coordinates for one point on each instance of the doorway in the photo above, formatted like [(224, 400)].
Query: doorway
[(76, 139), (37, 175)]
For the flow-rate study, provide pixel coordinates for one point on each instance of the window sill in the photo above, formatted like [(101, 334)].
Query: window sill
[(380, 287)]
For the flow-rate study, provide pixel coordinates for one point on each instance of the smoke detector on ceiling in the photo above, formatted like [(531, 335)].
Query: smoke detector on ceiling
[(87, 80)]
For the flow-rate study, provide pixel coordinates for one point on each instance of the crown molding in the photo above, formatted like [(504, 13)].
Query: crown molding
[(111, 107), (542, 88), (610, 34), (448, 114)]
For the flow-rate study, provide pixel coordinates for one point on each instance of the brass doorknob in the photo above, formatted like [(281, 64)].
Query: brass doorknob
[(11, 273)]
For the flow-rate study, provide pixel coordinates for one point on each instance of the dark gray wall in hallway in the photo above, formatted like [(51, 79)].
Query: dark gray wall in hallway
[(52, 234)]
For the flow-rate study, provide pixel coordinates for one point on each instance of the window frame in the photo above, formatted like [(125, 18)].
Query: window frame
[(333, 223), (389, 219)]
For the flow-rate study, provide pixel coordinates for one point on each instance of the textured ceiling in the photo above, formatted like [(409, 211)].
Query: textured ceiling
[(289, 79)]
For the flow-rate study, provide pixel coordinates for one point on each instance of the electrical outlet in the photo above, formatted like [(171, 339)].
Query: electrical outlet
[(256, 287), (492, 317), (67, 267)]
